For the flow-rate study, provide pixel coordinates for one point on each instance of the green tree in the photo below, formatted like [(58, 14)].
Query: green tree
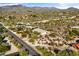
[(65, 53), (44, 51), (1, 38), (33, 36), (3, 48), (24, 53), (1, 29)]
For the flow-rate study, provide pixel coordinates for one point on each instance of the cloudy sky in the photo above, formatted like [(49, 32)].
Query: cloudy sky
[(57, 5), (6, 4)]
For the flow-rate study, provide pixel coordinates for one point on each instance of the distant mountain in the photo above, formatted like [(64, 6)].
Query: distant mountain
[(26, 6), (72, 8), (25, 9), (35, 8), (28, 10)]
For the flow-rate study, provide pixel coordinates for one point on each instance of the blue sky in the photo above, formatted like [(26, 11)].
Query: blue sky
[(57, 5)]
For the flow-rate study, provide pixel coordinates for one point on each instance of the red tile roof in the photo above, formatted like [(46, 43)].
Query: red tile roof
[(76, 46)]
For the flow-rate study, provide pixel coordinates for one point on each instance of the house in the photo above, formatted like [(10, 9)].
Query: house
[(28, 24), (30, 27), (20, 25), (76, 39), (41, 31), (75, 27), (4, 41), (76, 46), (72, 17)]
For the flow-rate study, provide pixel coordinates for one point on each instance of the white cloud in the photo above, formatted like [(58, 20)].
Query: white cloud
[(8, 4), (67, 5)]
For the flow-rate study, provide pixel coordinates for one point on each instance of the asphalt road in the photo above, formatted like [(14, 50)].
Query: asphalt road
[(24, 44)]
